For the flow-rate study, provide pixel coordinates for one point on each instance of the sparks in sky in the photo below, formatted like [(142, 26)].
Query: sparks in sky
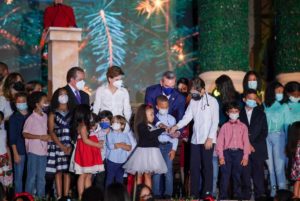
[(151, 6)]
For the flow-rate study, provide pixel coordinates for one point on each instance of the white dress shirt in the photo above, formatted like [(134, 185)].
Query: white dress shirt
[(249, 114), (206, 119), (118, 103)]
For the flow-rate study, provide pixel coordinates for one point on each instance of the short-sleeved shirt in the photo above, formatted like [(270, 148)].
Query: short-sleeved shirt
[(36, 124)]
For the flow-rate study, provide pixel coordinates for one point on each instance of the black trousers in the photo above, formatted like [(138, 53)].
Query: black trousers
[(255, 171), (201, 167)]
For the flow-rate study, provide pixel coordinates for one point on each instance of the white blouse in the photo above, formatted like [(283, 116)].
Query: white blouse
[(5, 107)]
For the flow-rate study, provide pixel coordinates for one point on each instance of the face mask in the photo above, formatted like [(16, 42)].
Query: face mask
[(294, 99), (252, 85), (118, 84), (234, 116), (167, 90), (116, 126), (104, 125), (45, 108), (63, 99), (251, 103), (196, 96), (163, 111), (21, 106), (80, 85), (279, 97), (19, 86)]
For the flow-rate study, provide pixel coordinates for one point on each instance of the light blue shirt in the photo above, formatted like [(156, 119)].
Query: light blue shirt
[(101, 135), (117, 155), (293, 114), (169, 121), (276, 117)]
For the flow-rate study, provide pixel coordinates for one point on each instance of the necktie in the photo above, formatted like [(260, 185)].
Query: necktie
[(77, 94)]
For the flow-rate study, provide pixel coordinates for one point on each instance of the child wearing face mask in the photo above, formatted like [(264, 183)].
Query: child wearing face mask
[(16, 139), (36, 136), (292, 98), (168, 147), (253, 81), (105, 118), (59, 148), (256, 121), (118, 145), (233, 149)]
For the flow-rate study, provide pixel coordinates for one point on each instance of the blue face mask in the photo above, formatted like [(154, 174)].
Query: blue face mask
[(279, 97), (104, 125), (252, 85), (21, 106), (251, 103), (167, 90)]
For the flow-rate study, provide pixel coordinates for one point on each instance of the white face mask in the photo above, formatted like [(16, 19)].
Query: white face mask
[(163, 111), (80, 85), (294, 99), (63, 99), (118, 84), (116, 126), (234, 116), (252, 84)]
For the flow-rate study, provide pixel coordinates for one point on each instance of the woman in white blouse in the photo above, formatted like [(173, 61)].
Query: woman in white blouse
[(112, 96)]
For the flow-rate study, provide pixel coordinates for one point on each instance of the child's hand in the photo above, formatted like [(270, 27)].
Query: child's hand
[(17, 158), (172, 154), (244, 162), (222, 161), (176, 134), (252, 148), (118, 145)]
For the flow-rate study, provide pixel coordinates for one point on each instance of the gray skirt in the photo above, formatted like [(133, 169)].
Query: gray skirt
[(146, 160)]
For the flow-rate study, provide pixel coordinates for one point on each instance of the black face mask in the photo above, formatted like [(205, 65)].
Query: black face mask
[(19, 86), (185, 94), (196, 96)]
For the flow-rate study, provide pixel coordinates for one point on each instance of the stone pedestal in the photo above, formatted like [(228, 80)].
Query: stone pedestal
[(63, 54), (210, 77)]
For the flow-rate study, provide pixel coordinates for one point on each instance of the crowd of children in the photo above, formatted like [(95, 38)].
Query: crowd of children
[(52, 137)]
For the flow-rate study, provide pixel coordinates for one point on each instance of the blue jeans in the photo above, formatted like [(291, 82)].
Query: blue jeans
[(276, 161), (18, 174), (168, 184), (36, 170), (216, 174)]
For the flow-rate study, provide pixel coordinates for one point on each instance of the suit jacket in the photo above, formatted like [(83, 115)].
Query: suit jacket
[(258, 131), (85, 98), (176, 101)]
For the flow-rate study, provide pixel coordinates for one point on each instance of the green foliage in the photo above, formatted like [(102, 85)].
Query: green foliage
[(223, 35), (287, 36)]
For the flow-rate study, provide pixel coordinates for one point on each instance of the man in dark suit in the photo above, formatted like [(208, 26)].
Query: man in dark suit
[(75, 86), (255, 119), (166, 87)]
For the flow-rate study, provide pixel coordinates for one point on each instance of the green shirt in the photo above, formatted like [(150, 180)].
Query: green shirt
[(293, 114), (276, 117)]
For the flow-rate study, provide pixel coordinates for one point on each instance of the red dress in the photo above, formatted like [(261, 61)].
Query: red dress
[(87, 159), (59, 15)]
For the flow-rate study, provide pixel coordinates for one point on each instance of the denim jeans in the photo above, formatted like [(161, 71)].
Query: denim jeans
[(168, 184), (216, 175), (18, 174), (36, 170), (114, 172), (276, 161)]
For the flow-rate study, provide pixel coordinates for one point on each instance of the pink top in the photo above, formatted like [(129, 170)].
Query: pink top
[(233, 135), (36, 125)]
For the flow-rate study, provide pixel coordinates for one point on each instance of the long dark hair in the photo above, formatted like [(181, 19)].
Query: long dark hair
[(139, 189), (294, 137), (140, 118), (82, 115), (290, 87), (9, 82), (246, 78), (226, 88), (54, 100), (116, 192), (270, 93)]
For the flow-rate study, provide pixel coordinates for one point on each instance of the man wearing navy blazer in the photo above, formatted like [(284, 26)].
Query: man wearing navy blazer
[(166, 87), (255, 119), (75, 86)]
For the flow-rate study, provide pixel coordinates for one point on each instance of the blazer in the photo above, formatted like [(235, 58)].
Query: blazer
[(176, 101), (85, 98), (258, 131)]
